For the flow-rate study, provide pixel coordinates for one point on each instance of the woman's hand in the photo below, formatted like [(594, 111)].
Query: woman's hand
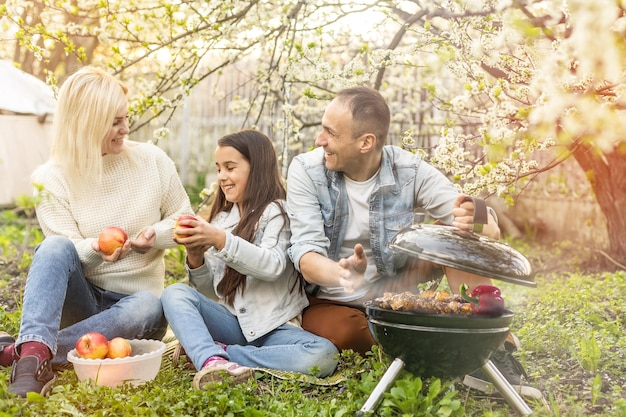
[(144, 241), (119, 253)]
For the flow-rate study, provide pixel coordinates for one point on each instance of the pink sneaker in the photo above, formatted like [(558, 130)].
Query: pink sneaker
[(217, 368)]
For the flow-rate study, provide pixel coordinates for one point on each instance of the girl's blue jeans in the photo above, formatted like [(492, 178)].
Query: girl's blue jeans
[(198, 322)]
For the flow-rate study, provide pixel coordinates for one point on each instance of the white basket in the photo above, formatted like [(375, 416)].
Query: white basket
[(143, 365)]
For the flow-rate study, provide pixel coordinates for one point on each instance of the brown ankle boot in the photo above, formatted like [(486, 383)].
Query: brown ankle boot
[(30, 375)]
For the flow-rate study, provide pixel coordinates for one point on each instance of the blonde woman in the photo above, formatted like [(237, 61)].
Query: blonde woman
[(95, 178)]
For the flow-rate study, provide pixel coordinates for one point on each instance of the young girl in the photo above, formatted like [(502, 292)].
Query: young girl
[(239, 258)]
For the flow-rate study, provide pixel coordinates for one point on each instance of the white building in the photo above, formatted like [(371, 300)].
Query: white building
[(26, 108)]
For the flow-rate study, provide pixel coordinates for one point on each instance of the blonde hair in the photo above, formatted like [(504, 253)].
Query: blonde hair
[(88, 103)]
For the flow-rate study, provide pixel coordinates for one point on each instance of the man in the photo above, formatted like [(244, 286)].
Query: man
[(346, 200)]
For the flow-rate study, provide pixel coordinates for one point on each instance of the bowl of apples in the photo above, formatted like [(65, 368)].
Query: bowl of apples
[(117, 361)]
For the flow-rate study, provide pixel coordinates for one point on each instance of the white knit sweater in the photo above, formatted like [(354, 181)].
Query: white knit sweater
[(131, 196)]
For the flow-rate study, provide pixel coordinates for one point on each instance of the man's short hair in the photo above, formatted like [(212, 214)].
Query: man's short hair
[(370, 112)]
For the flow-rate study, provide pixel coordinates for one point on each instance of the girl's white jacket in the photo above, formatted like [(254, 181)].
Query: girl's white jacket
[(272, 296)]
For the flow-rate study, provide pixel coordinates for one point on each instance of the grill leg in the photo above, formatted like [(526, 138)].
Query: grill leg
[(507, 391), (388, 378), (501, 384)]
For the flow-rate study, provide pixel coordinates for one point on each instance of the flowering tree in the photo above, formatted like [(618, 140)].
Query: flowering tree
[(482, 85), (540, 74), (499, 81)]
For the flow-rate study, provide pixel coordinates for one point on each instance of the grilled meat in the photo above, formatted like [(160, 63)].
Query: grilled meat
[(426, 302)]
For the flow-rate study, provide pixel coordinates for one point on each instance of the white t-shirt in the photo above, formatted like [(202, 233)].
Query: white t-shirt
[(357, 231)]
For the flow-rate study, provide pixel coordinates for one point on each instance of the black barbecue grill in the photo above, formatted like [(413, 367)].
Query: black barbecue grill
[(448, 345)]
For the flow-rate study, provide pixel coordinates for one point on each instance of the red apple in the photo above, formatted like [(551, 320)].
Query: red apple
[(119, 348), (111, 238), (92, 345), (183, 217)]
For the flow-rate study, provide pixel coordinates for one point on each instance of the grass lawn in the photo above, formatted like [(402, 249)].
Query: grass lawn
[(571, 327)]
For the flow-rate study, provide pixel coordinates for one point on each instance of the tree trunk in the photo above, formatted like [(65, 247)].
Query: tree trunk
[(605, 172)]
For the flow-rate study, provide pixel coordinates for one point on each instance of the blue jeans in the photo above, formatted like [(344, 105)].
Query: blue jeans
[(60, 305), (198, 321)]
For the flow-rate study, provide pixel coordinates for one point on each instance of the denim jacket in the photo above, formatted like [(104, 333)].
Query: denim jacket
[(268, 300), (318, 208)]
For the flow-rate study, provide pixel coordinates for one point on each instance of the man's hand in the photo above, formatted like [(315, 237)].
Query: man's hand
[(463, 212), (352, 270)]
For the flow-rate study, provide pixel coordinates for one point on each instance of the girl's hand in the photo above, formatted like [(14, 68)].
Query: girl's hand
[(200, 235)]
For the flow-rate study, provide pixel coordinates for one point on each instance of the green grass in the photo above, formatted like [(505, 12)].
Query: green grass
[(572, 330)]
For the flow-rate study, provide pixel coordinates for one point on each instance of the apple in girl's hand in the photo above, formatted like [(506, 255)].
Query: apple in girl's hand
[(183, 217), (119, 348), (92, 345), (111, 238)]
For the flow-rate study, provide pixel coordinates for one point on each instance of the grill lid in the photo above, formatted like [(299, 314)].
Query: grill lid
[(466, 251)]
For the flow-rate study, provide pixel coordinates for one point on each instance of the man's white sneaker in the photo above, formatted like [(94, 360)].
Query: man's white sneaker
[(512, 371)]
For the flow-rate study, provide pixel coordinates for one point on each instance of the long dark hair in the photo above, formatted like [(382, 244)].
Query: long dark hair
[(264, 186)]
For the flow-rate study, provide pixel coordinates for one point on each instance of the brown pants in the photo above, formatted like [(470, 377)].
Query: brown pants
[(345, 324)]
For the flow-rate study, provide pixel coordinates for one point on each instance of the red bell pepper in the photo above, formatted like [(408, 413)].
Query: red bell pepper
[(486, 299)]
